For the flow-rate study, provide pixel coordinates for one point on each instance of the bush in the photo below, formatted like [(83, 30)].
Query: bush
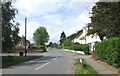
[(85, 48), (32, 47), (59, 46), (66, 47), (67, 42), (43, 48), (109, 51), (80, 47), (76, 47)]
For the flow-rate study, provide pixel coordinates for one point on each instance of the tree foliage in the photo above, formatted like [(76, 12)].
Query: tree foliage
[(75, 35), (68, 40), (10, 28), (106, 19), (62, 38), (41, 36)]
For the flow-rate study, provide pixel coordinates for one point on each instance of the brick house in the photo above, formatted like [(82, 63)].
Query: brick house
[(21, 42)]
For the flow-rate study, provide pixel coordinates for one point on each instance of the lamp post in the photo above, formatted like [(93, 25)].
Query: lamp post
[(25, 35)]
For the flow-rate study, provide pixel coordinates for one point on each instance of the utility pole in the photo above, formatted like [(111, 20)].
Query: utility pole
[(25, 35)]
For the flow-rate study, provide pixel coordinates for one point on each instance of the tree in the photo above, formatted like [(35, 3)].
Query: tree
[(67, 42), (106, 19), (10, 28), (50, 44), (62, 38), (41, 36), (75, 35)]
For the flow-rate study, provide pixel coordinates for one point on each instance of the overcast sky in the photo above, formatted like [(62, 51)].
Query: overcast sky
[(56, 16)]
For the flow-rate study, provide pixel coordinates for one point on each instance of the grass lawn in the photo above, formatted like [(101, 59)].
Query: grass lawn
[(11, 60), (85, 69)]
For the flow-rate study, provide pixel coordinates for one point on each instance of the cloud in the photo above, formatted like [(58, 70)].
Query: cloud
[(37, 7), (56, 15)]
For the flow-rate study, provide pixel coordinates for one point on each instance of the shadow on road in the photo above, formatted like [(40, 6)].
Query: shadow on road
[(41, 60)]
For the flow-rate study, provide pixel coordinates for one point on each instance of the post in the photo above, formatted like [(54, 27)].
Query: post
[(25, 35), (81, 61)]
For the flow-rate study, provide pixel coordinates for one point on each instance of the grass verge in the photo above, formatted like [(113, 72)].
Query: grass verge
[(84, 69), (12, 60)]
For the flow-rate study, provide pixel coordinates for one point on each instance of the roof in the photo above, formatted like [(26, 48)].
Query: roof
[(23, 40)]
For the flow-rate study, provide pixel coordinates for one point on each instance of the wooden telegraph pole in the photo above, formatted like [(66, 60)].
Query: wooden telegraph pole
[(25, 35)]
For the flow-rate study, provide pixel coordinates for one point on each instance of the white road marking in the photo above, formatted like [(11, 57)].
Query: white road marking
[(41, 66), (44, 64), (54, 58)]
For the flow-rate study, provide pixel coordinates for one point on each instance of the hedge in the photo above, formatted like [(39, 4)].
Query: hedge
[(78, 47), (109, 51), (66, 47)]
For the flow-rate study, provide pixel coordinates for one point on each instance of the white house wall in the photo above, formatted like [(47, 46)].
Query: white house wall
[(92, 38), (84, 33), (88, 39), (82, 41), (79, 41)]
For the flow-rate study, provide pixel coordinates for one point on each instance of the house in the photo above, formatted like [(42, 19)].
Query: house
[(21, 42), (88, 39)]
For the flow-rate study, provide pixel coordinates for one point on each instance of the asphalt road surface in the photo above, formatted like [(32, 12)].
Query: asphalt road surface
[(55, 61)]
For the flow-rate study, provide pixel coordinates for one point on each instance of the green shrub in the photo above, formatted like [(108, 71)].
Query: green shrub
[(32, 47), (66, 47), (67, 42), (85, 48), (59, 46), (76, 47), (43, 48), (109, 51), (80, 47)]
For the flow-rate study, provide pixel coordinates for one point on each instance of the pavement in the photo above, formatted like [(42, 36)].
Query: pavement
[(17, 54), (55, 61), (102, 69)]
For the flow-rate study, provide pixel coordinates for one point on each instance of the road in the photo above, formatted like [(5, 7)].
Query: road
[(55, 61)]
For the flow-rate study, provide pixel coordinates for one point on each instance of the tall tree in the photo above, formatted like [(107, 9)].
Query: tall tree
[(67, 42), (106, 19), (41, 36), (10, 28), (62, 38)]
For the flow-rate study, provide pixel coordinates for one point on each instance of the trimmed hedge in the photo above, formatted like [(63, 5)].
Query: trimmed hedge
[(109, 51), (66, 47), (78, 47)]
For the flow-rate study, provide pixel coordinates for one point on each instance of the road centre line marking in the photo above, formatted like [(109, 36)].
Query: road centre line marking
[(42, 66)]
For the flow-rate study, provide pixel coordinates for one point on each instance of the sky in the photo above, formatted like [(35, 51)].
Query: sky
[(56, 16)]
